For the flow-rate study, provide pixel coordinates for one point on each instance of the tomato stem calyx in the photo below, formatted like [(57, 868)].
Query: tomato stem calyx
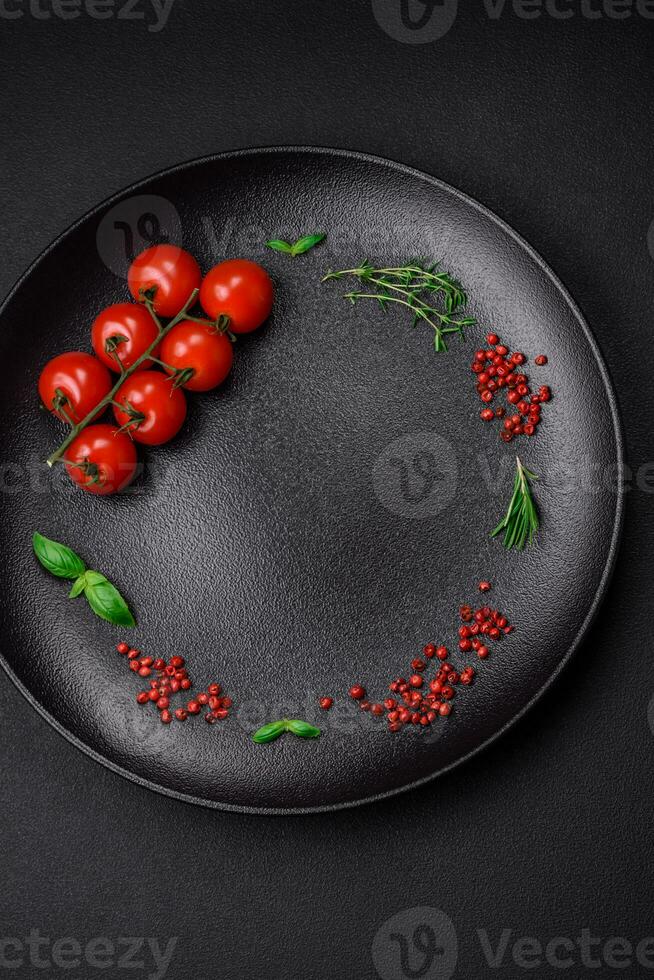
[(134, 417), (219, 325), (89, 469), (60, 404)]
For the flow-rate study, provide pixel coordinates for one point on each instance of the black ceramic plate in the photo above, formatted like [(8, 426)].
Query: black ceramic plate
[(328, 510)]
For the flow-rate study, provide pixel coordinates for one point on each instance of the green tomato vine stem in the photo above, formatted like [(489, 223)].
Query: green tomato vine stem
[(57, 455)]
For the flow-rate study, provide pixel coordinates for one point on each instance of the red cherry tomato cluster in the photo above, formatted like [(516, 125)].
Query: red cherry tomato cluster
[(149, 405), (168, 678), (417, 700)]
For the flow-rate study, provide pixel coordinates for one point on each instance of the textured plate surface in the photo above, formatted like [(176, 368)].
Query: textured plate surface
[(327, 511)]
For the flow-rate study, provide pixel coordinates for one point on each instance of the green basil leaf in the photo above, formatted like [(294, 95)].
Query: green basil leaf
[(302, 729), (268, 733), (57, 558), (303, 245), (279, 246), (106, 601), (78, 587)]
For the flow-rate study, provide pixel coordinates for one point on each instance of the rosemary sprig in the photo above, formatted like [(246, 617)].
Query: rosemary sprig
[(415, 286), (520, 523)]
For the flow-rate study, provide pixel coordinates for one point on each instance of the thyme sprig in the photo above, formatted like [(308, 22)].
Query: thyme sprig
[(415, 286), (520, 523)]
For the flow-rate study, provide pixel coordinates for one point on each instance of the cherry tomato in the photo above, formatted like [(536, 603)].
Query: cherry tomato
[(133, 323), (242, 290), (72, 384), (173, 271), (202, 348), (155, 410), (101, 459)]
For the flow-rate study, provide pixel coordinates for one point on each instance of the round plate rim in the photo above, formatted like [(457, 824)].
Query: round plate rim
[(619, 506)]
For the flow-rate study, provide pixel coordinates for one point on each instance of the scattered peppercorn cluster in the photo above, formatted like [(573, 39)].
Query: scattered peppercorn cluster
[(171, 677), (497, 368), (419, 701), (484, 622)]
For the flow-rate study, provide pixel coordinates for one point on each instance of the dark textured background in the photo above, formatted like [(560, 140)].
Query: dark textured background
[(549, 123)]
